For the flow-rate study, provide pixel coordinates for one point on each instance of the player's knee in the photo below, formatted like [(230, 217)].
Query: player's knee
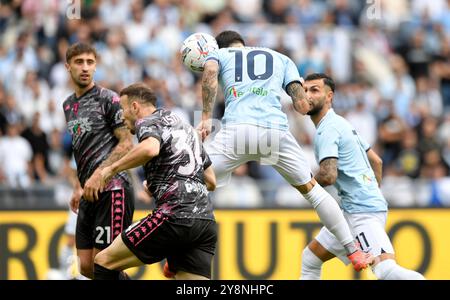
[(305, 188), (101, 258), (105, 259)]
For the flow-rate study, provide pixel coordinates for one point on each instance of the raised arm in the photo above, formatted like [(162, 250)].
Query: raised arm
[(210, 83), (297, 93), (328, 172), (377, 165)]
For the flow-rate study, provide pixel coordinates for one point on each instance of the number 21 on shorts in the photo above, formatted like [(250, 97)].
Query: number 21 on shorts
[(103, 235)]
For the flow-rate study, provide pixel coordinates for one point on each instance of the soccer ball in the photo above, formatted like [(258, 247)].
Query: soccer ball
[(195, 49)]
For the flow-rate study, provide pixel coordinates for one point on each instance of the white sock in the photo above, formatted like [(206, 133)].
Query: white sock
[(311, 265), (389, 270), (330, 214)]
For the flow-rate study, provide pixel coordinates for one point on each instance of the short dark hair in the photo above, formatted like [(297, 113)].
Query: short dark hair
[(140, 92), (228, 37), (327, 80), (79, 48)]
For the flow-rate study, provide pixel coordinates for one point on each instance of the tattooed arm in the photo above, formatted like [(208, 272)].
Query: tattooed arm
[(328, 172), (125, 144), (92, 185), (139, 155), (210, 83), (298, 96)]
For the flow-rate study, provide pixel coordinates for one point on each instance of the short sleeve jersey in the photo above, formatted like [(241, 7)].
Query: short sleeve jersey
[(91, 120), (175, 177), (253, 80), (356, 182)]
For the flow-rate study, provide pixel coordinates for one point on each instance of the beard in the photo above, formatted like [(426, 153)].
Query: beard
[(317, 107), (315, 110)]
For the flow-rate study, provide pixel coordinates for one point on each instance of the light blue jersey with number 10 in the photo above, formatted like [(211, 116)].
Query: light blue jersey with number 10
[(252, 80)]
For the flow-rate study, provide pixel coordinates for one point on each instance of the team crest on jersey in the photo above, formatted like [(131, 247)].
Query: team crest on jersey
[(75, 108), (79, 126)]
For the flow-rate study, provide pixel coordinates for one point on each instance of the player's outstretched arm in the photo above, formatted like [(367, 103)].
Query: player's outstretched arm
[(91, 187), (298, 96), (376, 163), (328, 172), (210, 83), (137, 156), (210, 178)]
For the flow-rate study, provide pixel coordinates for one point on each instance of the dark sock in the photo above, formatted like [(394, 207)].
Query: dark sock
[(124, 276), (101, 273)]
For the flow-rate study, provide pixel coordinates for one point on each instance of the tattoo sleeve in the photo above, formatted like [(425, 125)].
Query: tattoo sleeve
[(125, 144), (297, 93), (328, 172), (209, 86)]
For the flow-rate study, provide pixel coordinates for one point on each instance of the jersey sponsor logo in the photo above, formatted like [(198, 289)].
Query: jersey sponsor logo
[(79, 126), (235, 93), (258, 91)]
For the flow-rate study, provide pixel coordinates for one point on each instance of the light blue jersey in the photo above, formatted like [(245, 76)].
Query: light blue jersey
[(252, 80), (356, 182)]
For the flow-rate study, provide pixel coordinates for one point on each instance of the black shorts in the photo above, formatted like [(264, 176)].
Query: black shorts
[(99, 222), (188, 246)]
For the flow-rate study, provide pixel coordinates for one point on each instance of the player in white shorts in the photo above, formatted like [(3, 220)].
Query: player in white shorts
[(355, 169), (254, 128)]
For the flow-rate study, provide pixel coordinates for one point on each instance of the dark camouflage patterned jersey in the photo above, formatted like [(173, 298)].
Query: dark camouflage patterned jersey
[(91, 120), (175, 177)]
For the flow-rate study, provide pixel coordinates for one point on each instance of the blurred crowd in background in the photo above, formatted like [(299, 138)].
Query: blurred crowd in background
[(389, 59)]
